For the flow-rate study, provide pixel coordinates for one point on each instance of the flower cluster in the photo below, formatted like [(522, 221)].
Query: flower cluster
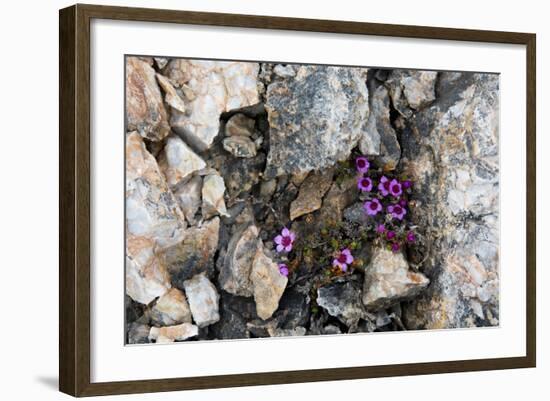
[(385, 201)]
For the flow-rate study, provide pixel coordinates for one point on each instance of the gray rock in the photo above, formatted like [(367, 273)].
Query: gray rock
[(452, 155), (239, 125), (177, 161), (240, 146), (356, 214), (194, 254), (379, 138), (138, 333), (411, 90), (316, 118), (268, 283), (161, 62), (311, 193), (241, 251), (284, 71), (294, 307), (240, 174), (145, 112), (203, 300), (342, 299), (171, 309), (388, 280)]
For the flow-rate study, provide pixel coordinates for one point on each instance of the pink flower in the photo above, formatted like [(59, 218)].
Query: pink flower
[(364, 184), (372, 207), (384, 186), (285, 240), (390, 234), (411, 237), (395, 188), (397, 211), (395, 247), (343, 259), (283, 269), (362, 164), (380, 228)]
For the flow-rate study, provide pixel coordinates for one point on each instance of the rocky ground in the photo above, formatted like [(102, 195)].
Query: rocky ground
[(271, 200)]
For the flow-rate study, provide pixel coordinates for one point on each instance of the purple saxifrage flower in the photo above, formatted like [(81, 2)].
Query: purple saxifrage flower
[(411, 237), (403, 202), (397, 211), (362, 164), (395, 188), (384, 186), (380, 228), (283, 269), (372, 207), (406, 184), (343, 259), (395, 247), (390, 234), (364, 184), (285, 240)]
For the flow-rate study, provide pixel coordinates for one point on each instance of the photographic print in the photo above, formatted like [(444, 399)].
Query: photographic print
[(266, 199)]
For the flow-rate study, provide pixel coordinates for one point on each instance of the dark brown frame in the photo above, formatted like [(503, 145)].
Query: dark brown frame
[(74, 199)]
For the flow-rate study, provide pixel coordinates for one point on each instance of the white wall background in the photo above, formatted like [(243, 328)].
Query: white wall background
[(29, 185)]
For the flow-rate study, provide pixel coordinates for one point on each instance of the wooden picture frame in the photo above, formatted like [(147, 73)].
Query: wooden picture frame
[(75, 207)]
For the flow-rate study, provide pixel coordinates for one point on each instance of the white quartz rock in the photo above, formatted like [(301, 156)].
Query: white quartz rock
[(178, 161), (211, 87), (203, 300), (213, 189)]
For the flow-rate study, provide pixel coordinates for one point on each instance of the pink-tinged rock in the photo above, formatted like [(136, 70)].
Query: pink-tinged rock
[(145, 112)]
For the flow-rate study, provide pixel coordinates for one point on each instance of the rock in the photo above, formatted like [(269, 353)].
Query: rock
[(284, 71), (240, 146), (240, 174), (267, 189), (411, 90), (294, 307), (331, 330), (452, 156), (233, 314), (297, 331), (388, 280), (379, 138), (213, 189), (146, 274), (170, 334), (133, 310), (171, 96), (177, 161), (145, 112), (239, 125), (342, 299), (268, 283), (311, 194), (316, 118), (195, 254), (189, 198), (151, 208), (356, 214), (340, 196), (161, 62), (203, 300), (241, 251), (170, 309), (211, 88), (138, 333)]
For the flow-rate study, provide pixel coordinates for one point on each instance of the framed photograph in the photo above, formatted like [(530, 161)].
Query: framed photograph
[(250, 200)]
